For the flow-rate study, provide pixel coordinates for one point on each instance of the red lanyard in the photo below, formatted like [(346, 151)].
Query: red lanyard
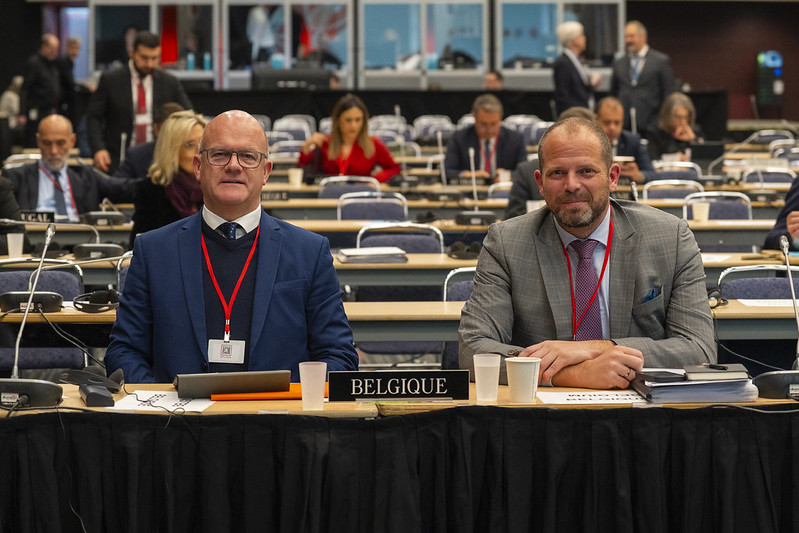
[(228, 306), (576, 321), (58, 186), (344, 163)]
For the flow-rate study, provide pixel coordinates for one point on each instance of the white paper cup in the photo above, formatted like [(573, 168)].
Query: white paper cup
[(295, 177), (522, 378), (486, 376), (503, 175), (700, 211), (312, 382), (15, 241)]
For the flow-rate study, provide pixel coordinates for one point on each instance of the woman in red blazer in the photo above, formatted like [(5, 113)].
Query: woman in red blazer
[(349, 150)]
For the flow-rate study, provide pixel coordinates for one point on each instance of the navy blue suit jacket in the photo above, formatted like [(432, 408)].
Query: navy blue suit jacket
[(297, 310), (570, 89), (781, 225), (630, 145), (137, 161), (510, 151)]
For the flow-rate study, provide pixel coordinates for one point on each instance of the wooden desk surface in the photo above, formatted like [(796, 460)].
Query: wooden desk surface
[(415, 262), (331, 203), (731, 225), (353, 226), (391, 311), (65, 316)]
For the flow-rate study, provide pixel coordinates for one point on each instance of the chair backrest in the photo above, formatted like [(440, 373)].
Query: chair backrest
[(671, 188), (538, 131), (308, 119), (458, 286), (791, 153), (411, 237), (297, 128), (465, 121), (768, 136), (780, 144), (431, 130), (723, 205), (499, 190), (68, 284), (335, 186), (276, 136), (768, 175), (372, 206), (676, 170), (757, 282), (286, 147), (387, 136), (264, 121), (405, 148), (325, 125)]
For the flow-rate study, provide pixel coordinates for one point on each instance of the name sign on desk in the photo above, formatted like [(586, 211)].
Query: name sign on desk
[(399, 384), (270, 196), (37, 216)]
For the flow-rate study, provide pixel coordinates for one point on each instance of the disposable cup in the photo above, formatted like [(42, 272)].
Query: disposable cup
[(312, 381), (15, 241), (486, 376), (522, 378), (701, 211), (295, 177)]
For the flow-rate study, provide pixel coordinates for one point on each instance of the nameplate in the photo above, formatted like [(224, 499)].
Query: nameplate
[(37, 216), (270, 196), (399, 384)]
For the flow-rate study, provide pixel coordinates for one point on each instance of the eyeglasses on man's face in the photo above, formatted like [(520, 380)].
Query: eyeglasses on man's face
[(219, 157)]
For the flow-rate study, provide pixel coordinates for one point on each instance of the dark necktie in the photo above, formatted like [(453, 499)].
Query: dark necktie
[(228, 229), (488, 156), (141, 109), (590, 327), (58, 196)]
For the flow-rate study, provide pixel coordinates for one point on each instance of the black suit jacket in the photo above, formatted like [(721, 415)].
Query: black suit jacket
[(110, 112), (510, 150), (137, 161), (655, 83), (88, 187), (630, 144), (524, 188), (570, 89)]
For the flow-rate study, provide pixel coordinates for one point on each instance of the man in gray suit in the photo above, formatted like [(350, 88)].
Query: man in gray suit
[(641, 79), (649, 283)]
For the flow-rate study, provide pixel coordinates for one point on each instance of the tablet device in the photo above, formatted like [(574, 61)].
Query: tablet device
[(204, 385)]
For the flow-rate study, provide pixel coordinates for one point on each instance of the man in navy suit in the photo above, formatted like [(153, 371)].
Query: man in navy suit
[(125, 100), (641, 79), (573, 84), (230, 288), (495, 147)]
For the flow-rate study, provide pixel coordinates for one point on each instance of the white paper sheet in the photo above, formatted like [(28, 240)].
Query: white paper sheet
[(144, 400), (766, 303), (588, 397)]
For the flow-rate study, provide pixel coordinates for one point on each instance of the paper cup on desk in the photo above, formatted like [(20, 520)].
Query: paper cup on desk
[(522, 378), (700, 211), (312, 382), (15, 241), (503, 175), (295, 177), (486, 376)]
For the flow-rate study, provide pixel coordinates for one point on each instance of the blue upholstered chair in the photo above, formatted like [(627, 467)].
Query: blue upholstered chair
[(678, 189), (335, 186), (372, 206), (768, 175), (676, 170)]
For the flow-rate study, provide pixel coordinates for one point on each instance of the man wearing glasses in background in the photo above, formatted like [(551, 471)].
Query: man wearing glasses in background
[(230, 288)]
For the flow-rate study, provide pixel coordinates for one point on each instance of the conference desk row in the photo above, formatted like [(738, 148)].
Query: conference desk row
[(440, 467), (439, 321)]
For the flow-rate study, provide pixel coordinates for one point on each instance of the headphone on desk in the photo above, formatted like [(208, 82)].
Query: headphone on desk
[(97, 301)]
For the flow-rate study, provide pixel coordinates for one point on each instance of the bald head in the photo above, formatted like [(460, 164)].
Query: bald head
[(55, 139), (238, 120)]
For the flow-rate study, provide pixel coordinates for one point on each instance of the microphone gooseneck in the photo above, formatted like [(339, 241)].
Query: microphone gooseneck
[(474, 178), (784, 246)]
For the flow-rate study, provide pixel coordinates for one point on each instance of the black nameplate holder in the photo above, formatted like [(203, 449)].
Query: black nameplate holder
[(270, 196), (399, 385), (37, 216)]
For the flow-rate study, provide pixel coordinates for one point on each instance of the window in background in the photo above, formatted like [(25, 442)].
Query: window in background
[(392, 37), (528, 37), (454, 36), (186, 36), (75, 23), (322, 40), (114, 30)]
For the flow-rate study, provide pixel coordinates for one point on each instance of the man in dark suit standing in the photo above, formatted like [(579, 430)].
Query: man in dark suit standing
[(573, 84), (125, 99), (641, 79), (50, 185), (495, 147), (41, 91), (139, 158)]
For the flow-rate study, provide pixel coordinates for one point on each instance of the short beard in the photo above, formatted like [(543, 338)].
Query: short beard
[(581, 219)]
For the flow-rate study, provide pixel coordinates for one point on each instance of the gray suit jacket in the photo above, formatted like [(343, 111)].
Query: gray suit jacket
[(522, 297), (655, 83)]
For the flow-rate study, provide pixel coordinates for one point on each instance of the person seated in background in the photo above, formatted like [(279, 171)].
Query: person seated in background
[(493, 80), (139, 158), (171, 191), (348, 150), (596, 288), (677, 128), (50, 185), (610, 116), (524, 187), (787, 222), (495, 146), (212, 293)]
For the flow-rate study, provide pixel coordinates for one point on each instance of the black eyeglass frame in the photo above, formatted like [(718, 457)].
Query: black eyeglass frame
[(230, 157)]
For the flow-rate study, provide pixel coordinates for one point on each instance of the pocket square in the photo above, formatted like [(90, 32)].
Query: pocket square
[(651, 295)]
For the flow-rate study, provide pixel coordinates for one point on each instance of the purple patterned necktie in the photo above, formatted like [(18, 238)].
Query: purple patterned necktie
[(590, 327)]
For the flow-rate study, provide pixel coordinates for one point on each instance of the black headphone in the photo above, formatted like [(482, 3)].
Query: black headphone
[(458, 250), (97, 301), (715, 299)]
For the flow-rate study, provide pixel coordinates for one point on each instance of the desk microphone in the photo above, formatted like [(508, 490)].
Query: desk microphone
[(16, 392), (782, 383), (445, 193), (633, 120), (475, 217)]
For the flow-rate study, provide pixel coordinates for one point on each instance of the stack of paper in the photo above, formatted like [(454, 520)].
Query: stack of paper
[(376, 254), (715, 391)]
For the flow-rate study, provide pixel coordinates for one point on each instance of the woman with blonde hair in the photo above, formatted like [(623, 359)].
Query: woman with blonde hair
[(677, 128), (171, 191), (348, 150)]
